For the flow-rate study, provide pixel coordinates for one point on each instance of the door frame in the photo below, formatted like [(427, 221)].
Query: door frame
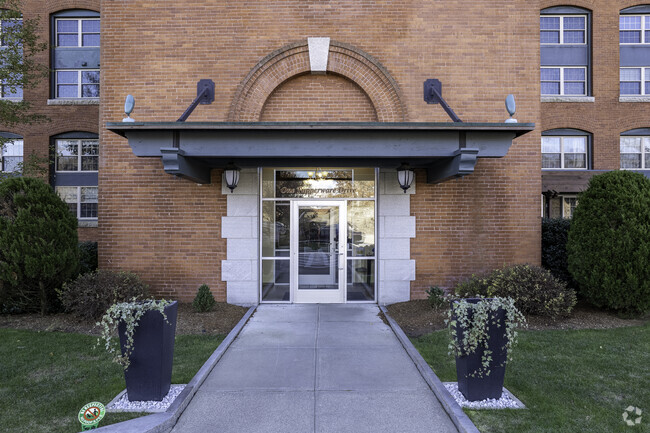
[(319, 296)]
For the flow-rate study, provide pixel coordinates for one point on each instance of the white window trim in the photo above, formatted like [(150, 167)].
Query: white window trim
[(79, 32), (79, 155), (561, 17), (644, 78), (2, 153), (79, 83), (643, 30), (79, 200), (643, 152), (562, 167), (562, 68)]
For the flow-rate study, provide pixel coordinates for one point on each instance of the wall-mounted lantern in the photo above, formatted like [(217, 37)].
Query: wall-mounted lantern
[(232, 176), (405, 176)]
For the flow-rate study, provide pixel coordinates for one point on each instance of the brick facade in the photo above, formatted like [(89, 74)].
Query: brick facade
[(167, 229), (62, 118)]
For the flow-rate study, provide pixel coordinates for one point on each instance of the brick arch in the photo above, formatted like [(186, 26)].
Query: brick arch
[(293, 60)]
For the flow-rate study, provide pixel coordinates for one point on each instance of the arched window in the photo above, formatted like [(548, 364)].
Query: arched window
[(11, 153), (566, 149), (565, 37), (634, 50), (75, 38), (76, 162), (635, 149)]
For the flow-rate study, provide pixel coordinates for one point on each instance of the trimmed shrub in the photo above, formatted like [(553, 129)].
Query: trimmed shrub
[(436, 297), (535, 290), (38, 245), (91, 294), (204, 301), (555, 232), (87, 257), (609, 242)]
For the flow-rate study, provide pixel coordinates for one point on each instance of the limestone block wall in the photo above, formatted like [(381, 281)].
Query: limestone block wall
[(240, 228), (395, 229)]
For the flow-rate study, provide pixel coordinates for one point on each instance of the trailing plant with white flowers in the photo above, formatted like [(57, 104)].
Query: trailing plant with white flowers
[(469, 326), (128, 313)]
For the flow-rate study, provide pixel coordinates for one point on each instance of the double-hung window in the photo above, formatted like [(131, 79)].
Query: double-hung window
[(9, 34), (11, 156), (635, 81), (77, 84), (558, 29), (564, 152), (635, 152), (565, 54), (82, 200), (634, 29), (563, 81), (77, 155), (73, 32), (76, 38), (76, 161)]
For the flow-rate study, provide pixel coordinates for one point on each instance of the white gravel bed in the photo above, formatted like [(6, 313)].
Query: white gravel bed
[(507, 400), (121, 403)]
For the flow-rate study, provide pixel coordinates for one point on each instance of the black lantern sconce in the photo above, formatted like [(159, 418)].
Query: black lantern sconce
[(405, 176), (232, 176)]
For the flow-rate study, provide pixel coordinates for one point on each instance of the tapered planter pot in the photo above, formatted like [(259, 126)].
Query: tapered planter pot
[(475, 387), (150, 372)]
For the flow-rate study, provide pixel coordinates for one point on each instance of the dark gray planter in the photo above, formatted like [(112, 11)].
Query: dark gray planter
[(480, 388), (149, 375)]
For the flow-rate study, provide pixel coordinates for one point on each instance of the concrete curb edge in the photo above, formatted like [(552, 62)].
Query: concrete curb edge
[(453, 409), (165, 421)]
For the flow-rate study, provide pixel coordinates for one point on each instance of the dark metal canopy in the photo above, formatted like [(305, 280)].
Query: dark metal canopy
[(447, 150)]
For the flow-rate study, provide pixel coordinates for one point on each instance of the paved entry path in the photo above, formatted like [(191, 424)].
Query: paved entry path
[(315, 368)]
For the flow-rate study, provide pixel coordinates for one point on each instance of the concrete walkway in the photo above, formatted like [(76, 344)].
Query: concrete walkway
[(315, 368)]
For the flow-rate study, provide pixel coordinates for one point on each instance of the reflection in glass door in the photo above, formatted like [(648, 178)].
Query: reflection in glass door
[(318, 251)]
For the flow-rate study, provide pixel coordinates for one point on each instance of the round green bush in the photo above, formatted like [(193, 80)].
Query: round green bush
[(535, 290), (38, 245), (609, 242), (91, 294)]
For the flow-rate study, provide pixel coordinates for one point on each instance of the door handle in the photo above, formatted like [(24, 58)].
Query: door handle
[(341, 262)]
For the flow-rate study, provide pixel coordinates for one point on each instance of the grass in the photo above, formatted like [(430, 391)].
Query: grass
[(570, 381), (46, 377)]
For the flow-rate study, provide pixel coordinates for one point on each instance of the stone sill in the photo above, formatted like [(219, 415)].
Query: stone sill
[(87, 223), (634, 99), (73, 101), (568, 99), (12, 99)]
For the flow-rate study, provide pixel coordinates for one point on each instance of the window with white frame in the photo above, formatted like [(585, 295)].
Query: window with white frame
[(7, 29), (77, 32), (564, 81), (563, 29), (82, 200), (564, 152), (77, 155), (11, 156), (634, 29), (635, 152), (77, 83), (560, 206), (635, 81)]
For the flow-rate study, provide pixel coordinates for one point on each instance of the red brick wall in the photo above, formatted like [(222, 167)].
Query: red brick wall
[(61, 118), (167, 229), (319, 98), (606, 118)]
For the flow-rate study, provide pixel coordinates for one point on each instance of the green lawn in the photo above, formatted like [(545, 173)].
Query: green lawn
[(570, 381), (46, 377)]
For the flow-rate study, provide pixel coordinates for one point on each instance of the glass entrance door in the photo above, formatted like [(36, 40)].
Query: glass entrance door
[(319, 251)]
